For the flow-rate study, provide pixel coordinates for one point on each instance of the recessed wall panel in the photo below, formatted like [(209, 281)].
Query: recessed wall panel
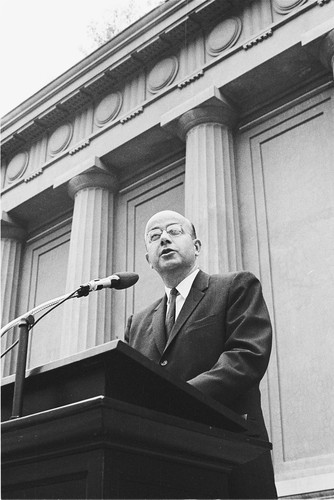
[(136, 206), (44, 278), (286, 200), (299, 187)]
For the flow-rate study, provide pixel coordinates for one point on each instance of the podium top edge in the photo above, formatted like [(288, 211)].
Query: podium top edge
[(125, 352), (58, 363)]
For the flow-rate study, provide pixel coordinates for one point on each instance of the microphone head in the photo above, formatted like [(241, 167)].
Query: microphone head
[(125, 280)]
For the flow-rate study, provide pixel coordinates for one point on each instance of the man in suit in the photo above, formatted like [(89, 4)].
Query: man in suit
[(213, 332)]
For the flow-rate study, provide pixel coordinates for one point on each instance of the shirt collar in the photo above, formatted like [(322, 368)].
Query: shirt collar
[(184, 287)]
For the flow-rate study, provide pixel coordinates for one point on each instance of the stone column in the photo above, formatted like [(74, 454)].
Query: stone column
[(87, 321), (12, 237), (210, 184), (326, 51)]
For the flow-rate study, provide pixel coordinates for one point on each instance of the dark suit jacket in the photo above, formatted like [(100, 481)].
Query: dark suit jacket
[(220, 344)]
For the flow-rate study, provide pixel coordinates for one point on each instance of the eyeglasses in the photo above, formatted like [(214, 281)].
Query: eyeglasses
[(172, 230)]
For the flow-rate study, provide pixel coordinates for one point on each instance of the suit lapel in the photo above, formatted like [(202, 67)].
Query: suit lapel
[(195, 296), (158, 325)]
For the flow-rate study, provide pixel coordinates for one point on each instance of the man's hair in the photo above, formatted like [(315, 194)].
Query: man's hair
[(193, 231)]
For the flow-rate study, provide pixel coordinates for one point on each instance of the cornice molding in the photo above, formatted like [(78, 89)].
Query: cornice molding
[(195, 18)]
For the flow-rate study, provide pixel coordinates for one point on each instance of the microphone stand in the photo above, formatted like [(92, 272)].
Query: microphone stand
[(26, 322), (35, 310), (24, 325)]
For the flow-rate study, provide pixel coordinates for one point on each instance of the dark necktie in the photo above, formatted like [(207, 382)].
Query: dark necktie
[(170, 316)]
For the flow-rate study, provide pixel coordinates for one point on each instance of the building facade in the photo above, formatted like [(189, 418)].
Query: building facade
[(219, 109)]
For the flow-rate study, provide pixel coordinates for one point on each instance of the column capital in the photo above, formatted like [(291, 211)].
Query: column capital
[(209, 106), (10, 229), (221, 113), (92, 179), (319, 41), (326, 50)]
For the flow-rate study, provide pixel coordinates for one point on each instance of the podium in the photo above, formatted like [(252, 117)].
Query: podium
[(109, 423)]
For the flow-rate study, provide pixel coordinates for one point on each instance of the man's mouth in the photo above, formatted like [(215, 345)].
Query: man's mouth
[(166, 251)]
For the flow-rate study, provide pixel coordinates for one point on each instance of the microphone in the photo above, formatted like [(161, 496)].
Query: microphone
[(119, 281)]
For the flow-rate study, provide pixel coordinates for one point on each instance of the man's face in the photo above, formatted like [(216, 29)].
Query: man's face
[(170, 244)]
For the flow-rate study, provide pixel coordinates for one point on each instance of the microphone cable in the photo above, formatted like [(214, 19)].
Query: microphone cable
[(41, 317), (124, 280)]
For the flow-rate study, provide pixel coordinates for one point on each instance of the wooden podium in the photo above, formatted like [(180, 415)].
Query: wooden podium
[(109, 423)]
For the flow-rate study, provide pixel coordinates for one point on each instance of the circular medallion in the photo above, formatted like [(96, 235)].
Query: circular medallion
[(162, 74), (108, 108), (224, 35), (60, 139), (285, 6), (17, 166)]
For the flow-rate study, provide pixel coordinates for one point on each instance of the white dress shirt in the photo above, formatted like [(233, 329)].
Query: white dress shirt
[(183, 288)]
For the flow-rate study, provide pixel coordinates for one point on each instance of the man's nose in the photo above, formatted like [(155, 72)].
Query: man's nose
[(164, 237)]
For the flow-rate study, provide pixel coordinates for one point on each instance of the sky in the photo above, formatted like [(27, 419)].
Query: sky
[(41, 39)]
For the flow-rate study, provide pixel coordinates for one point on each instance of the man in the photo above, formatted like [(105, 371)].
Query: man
[(221, 340)]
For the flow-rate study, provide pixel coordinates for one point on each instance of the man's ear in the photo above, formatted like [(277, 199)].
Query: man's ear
[(148, 260), (198, 246)]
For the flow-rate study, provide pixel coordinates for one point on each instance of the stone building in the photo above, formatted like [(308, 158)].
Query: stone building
[(222, 110)]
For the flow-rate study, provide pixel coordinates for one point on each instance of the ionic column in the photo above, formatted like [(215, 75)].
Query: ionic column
[(87, 321), (12, 237), (326, 51), (210, 184)]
